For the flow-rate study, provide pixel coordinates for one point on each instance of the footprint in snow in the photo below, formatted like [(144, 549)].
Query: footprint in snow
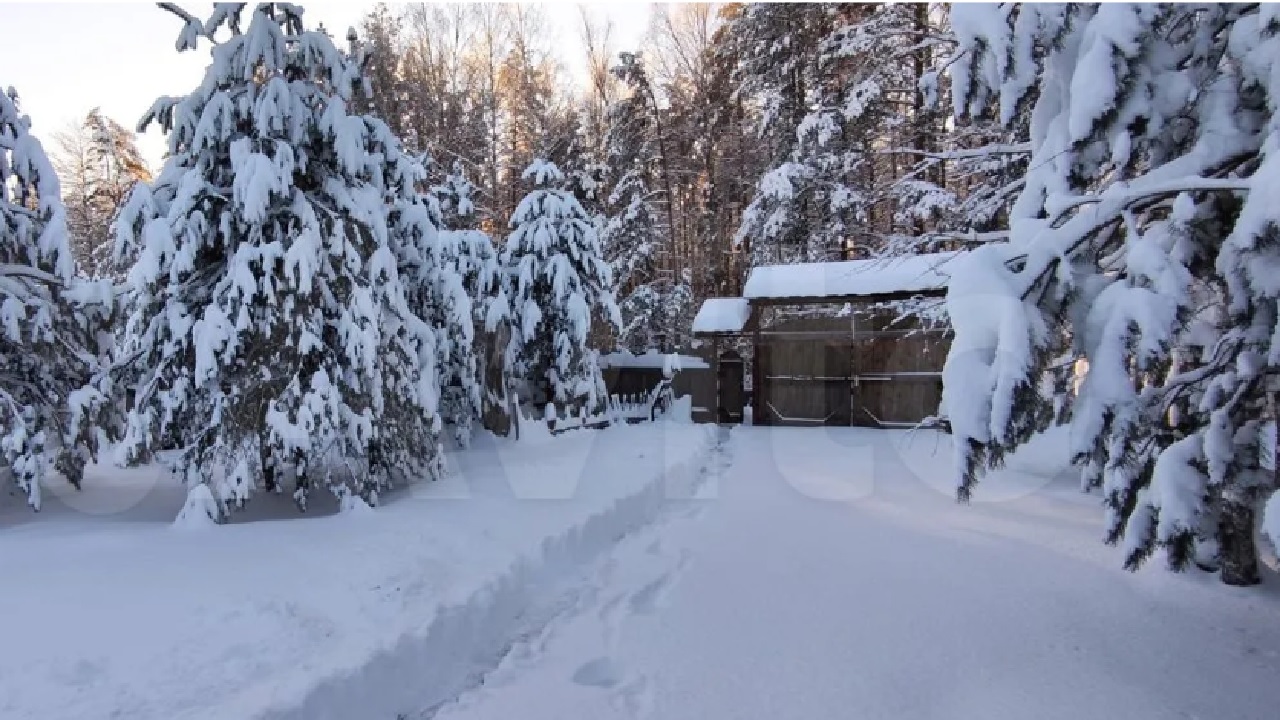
[(652, 596), (635, 698), (648, 598), (601, 672)]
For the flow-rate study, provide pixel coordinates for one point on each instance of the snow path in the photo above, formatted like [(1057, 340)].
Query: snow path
[(107, 611), (588, 613), (831, 575)]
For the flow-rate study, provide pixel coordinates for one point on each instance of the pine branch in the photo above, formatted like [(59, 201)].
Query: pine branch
[(1139, 194), (1014, 149), (971, 236), (183, 15), (30, 273), (1127, 195)]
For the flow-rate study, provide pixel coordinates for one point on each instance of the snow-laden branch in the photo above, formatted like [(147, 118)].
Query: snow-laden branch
[(1126, 195), (193, 28), (191, 23), (185, 16), (1013, 149), (972, 237), (1186, 173), (32, 273)]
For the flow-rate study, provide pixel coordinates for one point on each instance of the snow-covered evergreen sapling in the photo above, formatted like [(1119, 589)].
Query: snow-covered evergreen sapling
[(52, 322), (271, 326), (476, 261), (472, 279), (631, 239), (558, 281)]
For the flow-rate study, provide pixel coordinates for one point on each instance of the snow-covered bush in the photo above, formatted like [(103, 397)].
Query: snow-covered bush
[(557, 281), (53, 321), (1145, 241), (287, 271)]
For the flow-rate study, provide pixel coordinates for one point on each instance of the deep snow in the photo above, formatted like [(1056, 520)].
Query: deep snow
[(832, 576), (651, 571), (109, 611)]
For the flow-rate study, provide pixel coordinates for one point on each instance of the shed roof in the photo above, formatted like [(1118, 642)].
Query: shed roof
[(721, 315), (907, 275), (651, 360)]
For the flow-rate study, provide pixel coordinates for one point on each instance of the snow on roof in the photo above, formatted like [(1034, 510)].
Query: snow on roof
[(651, 359), (722, 315), (913, 273)]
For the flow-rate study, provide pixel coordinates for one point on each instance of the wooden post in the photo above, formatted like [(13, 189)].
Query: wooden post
[(758, 416), (853, 364), (715, 380)]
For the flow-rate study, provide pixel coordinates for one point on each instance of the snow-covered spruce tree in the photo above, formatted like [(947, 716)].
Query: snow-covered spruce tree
[(636, 230), (271, 326), (431, 264), (1144, 242), (470, 262), (54, 322), (776, 49), (828, 184), (454, 195), (870, 166), (866, 170), (557, 280), (128, 238), (585, 179), (631, 240), (895, 178)]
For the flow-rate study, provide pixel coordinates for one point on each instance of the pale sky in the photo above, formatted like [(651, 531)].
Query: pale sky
[(65, 58)]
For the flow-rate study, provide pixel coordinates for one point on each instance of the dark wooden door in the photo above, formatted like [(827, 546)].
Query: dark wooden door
[(732, 397)]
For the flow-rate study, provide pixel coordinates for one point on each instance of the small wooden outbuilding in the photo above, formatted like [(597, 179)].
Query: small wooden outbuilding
[(838, 343), (629, 375), (721, 321)]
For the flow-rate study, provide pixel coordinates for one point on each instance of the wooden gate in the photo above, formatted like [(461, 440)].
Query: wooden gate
[(897, 378), (731, 398), (875, 379), (803, 382)]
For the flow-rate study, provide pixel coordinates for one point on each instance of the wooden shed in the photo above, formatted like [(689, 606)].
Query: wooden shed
[(723, 321), (627, 374), (838, 343)]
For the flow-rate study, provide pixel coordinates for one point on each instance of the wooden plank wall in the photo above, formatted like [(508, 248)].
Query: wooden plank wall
[(815, 370), (806, 382), (903, 398)]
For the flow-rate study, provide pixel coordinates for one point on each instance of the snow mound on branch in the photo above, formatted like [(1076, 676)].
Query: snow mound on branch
[(199, 511), (992, 345), (354, 505)]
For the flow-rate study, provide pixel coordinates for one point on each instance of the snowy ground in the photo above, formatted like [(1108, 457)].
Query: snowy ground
[(659, 571), (108, 611), (833, 577)]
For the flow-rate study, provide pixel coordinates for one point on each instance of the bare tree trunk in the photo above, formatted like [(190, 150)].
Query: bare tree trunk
[(496, 415), (1239, 552)]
